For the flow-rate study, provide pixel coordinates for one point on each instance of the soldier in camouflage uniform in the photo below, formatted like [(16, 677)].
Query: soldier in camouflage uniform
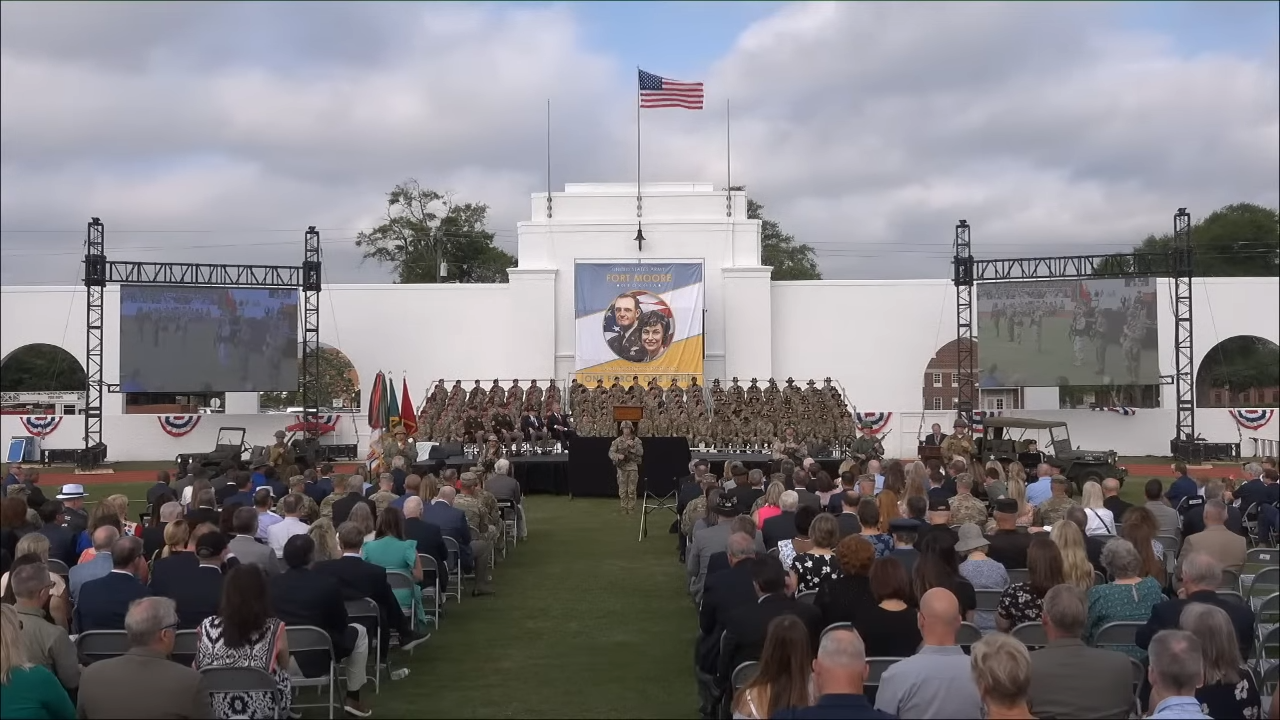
[(675, 393), (553, 392), (693, 394), (1055, 508), (958, 443), (490, 452), (661, 424), (515, 394), (736, 395), (771, 393), (474, 397), (339, 485), (790, 392), (965, 508), (468, 501), (439, 395), (626, 452), (533, 396), (753, 392), (635, 391), (765, 434), (680, 425), (702, 435), (456, 393), (717, 393), (867, 447), (789, 446)]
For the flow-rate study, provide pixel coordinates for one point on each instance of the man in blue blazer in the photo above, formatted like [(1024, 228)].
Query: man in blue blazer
[(104, 602)]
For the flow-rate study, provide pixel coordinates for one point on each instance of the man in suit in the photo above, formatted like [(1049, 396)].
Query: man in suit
[(725, 592), (1168, 520), (747, 626), (847, 520), (711, 540), (196, 589), (359, 579), (1066, 664), (532, 426), (748, 487), (62, 542), (1183, 486), (1193, 519), (155, 491), (238, 483), (690, 486), (935, 436), (1201, 576), (505, 487), (354, 490), (838, 675), (783, 525), (300, 596), (246, 546), (1216, 540), (144, 682), (103, 603), (318, 487), (473, 554), (103, 539), (558, 426), (428, 537), (1111, 499)]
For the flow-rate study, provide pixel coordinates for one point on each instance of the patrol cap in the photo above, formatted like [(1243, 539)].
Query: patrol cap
[(210, 545), (903, 525), (1008, 506), (71, 492), (939, 505)]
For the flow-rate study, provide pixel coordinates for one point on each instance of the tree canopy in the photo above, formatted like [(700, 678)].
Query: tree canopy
[(422, 227), (337, 384), (1239, 364), (1240, 240), (41, 368), (779, 250)]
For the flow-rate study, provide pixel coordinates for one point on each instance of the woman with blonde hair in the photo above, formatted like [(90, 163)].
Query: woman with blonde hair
[(176, 536), (917, 474), (428, 489), (362, 516), (326, 539), (1100, 521), (29, 690), (1001, 669), (1228, 690), (59, 604), (767, 506), (995, 465), (1076, 568), (121, 505)]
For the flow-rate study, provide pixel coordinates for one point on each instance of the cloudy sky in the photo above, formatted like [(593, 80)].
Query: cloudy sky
[(217, 132)]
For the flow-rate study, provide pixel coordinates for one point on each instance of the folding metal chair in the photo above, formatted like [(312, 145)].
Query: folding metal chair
[(836, 626), (305, 638), (988, 600), (1264, 584), (1230, 580), (966, 635), (1233, 596), (807, 597), (403, 581), (238, 679), (185, 645), (454, 563), (357, 611), (1031, 634), (430, 588), (1268, 652), (57, 567), (875, 669), (1116, 635), (507, 508), (743, 674), (1170, 545), (98, 645), (1019, 575), (1139, 674), (1255, 561), (1267, 616)]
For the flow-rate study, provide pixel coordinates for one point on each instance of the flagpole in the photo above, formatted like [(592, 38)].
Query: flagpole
[(639, 201), (548, 158), (728, 164)]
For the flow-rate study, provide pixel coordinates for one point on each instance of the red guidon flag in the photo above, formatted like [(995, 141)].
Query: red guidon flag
[(408, 418)]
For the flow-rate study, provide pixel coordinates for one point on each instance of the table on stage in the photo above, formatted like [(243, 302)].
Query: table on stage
[(535, 473)]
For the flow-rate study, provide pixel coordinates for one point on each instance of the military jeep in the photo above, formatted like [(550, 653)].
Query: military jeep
[(1078, 466)]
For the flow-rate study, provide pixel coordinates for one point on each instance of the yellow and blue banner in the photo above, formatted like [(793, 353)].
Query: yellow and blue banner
[(641, 319)]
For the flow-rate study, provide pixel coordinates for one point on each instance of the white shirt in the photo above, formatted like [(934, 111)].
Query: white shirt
[(279, 533), (1101, 522)]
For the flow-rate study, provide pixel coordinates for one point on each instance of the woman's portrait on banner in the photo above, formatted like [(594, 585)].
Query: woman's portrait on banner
[(638, 326)]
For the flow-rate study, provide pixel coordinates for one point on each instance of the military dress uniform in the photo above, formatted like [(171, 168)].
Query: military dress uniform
[(966, 508), (472, 429), (626, 452), (74, 520), (504, 427)]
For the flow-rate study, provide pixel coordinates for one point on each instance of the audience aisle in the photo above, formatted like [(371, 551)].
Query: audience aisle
[(586, 622)]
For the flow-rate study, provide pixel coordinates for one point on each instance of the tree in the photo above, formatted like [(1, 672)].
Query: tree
[(1239, 364), (1241, 240), (42, 368), (337, 384), (423, 227), (779, 250)]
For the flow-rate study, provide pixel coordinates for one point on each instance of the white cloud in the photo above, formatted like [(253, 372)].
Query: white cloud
[(866, 128)]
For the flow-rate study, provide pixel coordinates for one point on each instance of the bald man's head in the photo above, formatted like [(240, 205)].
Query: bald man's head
[(447, 494), (939, 617), (1110, 487)]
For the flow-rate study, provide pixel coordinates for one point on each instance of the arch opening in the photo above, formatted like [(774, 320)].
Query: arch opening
[(1241, 371)]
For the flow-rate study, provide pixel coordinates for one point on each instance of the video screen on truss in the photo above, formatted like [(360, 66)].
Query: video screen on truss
[(212, 339), (1067, 332)]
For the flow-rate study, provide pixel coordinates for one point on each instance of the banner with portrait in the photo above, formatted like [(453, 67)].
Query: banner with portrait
[(640, 319)]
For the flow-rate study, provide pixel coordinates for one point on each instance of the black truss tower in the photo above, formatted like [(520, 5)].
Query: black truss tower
[(98, 272), (1178, 264)]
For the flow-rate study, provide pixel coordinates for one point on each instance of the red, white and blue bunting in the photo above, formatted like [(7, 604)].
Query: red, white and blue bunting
[(178, 425), (978, 416), (1251, 418), (323, 424), (879, 420), (1120, 409), (41, 425)]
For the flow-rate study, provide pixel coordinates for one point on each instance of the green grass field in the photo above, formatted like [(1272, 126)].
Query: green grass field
[(1024, 364)]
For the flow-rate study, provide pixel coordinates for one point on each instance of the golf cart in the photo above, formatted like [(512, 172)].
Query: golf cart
[(1078, 466), (230, 446)]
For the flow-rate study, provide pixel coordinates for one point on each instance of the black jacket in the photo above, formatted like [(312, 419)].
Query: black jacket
[(104, 602), (342, 507), (1166, 615), (430, 542), (307, 597), (359, 579), (746, 497), (1193, 521), (748, 625), (154, 492), (62, 543), (195, 590), (778, 527), (722, 594)]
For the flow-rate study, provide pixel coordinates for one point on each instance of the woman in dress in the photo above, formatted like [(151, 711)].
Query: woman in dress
[(782, 678), (767, 506), (842, 598), (1002, 671), (889, 628), (1127, 598), (1228, 690), (27, 690), (243, 634), (1076, 568), (1140, 527), (869, 518), (1100, 520), (391, 551), (817, 565), (982, 572), (801, 543), (1023, 602)]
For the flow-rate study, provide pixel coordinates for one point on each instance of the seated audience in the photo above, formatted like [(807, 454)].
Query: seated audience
[(847, 518), (1001, 669), (1076, 566), (982, 572), (939, 567), (27, 690), (709, 540), (103, 538), (869, 517), (1228, 690), (309, 509), (104, 602), (844, 597), (353, 495), (839, 672), (904, 531), (1009, 542), (1099, 521), (1022, 602), (1201, 576), (473, 553), (384, 495), (1216, 540), (889, 628), (299, 596), (325, 536), (1127, 598), (724, 593), (745, 630), (1061, 669), (144, 682), (505, 487), (392, 552), (362, 517), (1093, 544), (1176, 671), (1193, 519), (749, 492), (290, 524), (62, 541), (204, 509), (781, 526), (1111, 499), (47, 644), (243, 634), (817, 565), (427, 538), (937, 681), (58, 603), (1140, 528), (176, 536), (766, 506), (245, 545), (1168, 519), (153, 534), (263, 500), (782, 679), (195, 588)]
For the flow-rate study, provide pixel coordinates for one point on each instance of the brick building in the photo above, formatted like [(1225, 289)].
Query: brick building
[(940, 386)]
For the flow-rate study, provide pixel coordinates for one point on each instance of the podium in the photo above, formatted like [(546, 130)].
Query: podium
[(929, 452), (627, 413)]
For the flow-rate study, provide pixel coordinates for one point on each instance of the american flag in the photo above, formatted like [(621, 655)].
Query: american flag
[(660, 92)]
